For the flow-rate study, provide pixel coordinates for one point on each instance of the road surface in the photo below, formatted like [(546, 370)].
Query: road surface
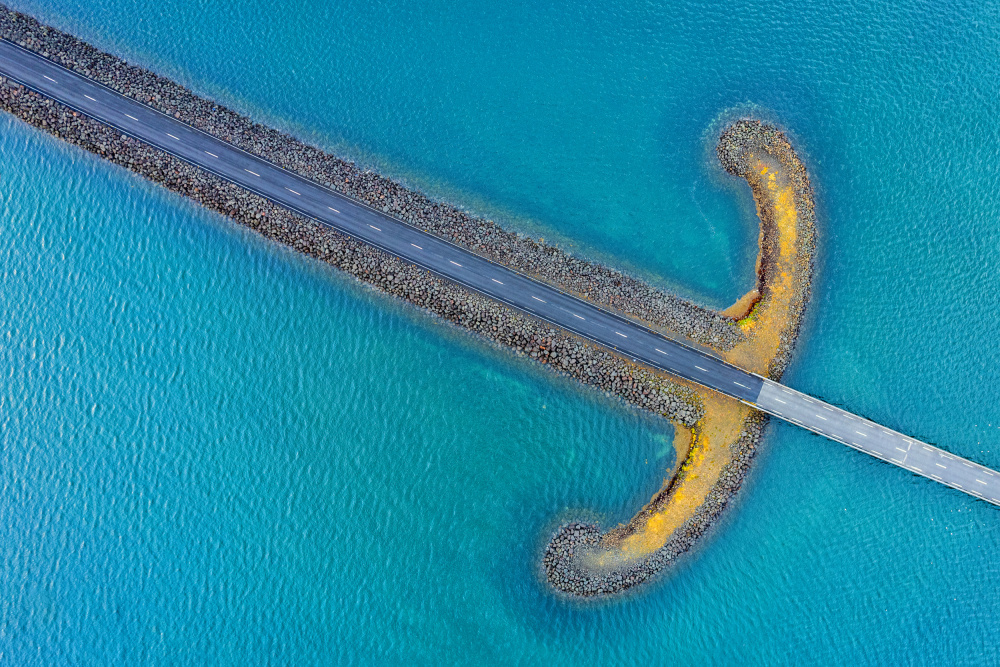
[(480, 274)]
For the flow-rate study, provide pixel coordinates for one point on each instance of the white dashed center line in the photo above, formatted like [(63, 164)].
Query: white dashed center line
[(827, 408)]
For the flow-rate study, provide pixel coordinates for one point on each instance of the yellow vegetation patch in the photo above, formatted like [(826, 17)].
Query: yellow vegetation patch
[(710, 452), (765, 314)]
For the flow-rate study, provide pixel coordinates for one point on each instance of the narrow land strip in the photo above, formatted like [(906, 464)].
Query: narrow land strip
[(400, 239), (553, 300)]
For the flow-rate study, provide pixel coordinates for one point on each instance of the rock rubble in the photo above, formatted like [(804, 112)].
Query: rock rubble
[(570, 557), (527, 336)]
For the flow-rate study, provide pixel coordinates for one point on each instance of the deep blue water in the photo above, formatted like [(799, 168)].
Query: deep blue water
[(216, 451)]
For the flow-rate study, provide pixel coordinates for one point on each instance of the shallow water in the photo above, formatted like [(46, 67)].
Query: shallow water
[(217, 451)]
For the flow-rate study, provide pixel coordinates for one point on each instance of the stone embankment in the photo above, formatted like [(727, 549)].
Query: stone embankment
[(512, 329), (582, 561), (528, 336), (612, 289)]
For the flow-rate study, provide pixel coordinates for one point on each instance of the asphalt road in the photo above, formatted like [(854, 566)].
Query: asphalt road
[(879, 441), (480, 274)]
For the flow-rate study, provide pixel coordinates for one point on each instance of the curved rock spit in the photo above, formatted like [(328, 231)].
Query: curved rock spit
[(580, 560), (721, 437)]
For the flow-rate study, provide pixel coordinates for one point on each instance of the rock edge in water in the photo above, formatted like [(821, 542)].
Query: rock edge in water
[(563, 561), (527, 336)]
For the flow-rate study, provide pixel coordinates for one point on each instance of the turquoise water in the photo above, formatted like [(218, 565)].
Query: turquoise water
[(217, 451)]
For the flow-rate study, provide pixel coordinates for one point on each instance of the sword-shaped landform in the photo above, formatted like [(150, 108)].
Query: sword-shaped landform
[(579, 560)]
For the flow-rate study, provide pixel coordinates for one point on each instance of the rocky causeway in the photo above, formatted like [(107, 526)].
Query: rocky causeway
[(743, 147)]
